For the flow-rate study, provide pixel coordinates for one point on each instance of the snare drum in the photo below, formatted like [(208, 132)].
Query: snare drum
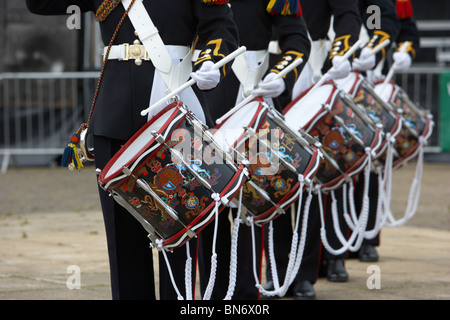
[(274, 154), (164, 177), (344, 131), (416, 122), (382, 113)]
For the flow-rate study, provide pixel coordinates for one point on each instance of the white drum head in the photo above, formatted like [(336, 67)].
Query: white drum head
[(346, 84), (384, 92), (305, 109), (232, 128)]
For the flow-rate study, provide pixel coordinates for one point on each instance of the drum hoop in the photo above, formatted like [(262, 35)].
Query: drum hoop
[(113, 175)]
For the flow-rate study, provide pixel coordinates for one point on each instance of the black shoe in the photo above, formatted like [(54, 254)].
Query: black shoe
[(336, 271), (368, 253), (303, 290), (269, 286)]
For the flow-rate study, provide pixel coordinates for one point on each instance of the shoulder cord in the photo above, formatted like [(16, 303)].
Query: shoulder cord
[(70, 156)]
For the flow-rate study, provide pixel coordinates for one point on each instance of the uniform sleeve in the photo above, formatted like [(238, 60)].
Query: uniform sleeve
[(57, 7), (346, 25), (294, 43), (217, 32), (389, 25), (408, 28), (409, 32)]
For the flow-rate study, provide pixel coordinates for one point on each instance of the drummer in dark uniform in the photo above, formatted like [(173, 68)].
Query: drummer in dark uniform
[(346, 24), (125, 90), (258, 23), (397, 31)]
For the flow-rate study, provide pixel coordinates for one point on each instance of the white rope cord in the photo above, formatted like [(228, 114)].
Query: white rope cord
[(380, 218), (188, 273), (212, 275), (414, 192), (233, 253), (159, 243), (296, 253), (358, 228)]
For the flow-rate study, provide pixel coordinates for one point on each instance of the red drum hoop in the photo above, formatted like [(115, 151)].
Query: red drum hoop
[(167, 189), (344, 131), (274, 162), (416, 122)]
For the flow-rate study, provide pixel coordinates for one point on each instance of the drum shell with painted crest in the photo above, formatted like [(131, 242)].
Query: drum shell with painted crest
[(331, 117), (416, 122), (382, 113), (152, 171), (267, 171)]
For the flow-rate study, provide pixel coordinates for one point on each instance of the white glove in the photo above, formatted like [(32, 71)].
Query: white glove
[(341, 68), (205, 77), (365, 61), (268, 88), (402, 61)]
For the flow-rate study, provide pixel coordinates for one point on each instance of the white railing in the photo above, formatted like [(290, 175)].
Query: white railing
[(39, 112)]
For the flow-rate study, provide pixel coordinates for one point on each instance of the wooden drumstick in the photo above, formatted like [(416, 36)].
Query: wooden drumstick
[(191, 82), (249, 98), (324, 78)]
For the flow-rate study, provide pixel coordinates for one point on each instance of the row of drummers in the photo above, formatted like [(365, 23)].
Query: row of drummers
[(169, 178)]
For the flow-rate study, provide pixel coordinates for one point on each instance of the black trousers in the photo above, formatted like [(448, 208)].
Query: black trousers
[(130, 256)]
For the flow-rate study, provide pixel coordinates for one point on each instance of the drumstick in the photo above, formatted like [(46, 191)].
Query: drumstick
[(249, 98), (324, 78), (403, 48), (191, 82)]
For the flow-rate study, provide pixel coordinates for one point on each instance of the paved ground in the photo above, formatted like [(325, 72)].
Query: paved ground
[(50, 220)]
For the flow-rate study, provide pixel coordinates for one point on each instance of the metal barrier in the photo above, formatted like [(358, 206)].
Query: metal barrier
[(422, 86), (39, 112)]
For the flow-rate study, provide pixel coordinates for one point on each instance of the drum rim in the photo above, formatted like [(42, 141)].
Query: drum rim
[(115, 157)]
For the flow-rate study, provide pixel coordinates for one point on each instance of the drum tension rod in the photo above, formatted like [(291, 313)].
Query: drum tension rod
[(202, 130), (188, 167), (266, 196), (144, 185), (342, 123), (252, 133), (302, 139), (147, 226)]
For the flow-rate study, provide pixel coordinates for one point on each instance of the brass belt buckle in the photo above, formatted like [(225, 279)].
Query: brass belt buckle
[(136, 51)]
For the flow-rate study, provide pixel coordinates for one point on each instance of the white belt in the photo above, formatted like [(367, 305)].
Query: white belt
[(136, 51)]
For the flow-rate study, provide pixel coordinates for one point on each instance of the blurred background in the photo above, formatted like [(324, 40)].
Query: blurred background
[(48, 74)]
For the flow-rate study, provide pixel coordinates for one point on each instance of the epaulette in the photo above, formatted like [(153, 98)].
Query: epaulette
[(285, 7), (404, 9), (214, 2)]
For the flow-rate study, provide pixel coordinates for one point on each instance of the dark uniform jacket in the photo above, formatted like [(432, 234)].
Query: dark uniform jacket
[(125, 89), (346, 23), (389, 24), (257, 27)]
